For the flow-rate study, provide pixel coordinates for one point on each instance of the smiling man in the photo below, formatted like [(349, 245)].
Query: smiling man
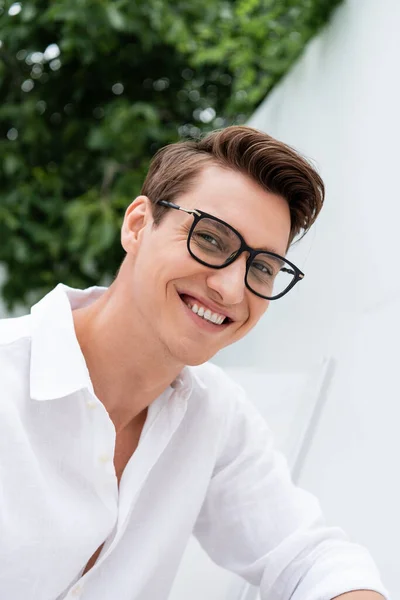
[(118, 439)]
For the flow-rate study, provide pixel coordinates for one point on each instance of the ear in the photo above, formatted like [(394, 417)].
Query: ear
[(137, 216)]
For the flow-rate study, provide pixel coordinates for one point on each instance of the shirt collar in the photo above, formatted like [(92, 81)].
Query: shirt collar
[(58, 367)]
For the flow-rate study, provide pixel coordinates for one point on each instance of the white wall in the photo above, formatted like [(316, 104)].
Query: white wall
[(340, 106)]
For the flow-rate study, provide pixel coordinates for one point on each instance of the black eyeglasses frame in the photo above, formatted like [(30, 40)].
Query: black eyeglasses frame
[(199, 214)]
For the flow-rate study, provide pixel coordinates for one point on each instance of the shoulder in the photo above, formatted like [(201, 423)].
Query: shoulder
[(15, 359), (214, 380), (15, 349), (220, 389), (14, 329), (244, 432)]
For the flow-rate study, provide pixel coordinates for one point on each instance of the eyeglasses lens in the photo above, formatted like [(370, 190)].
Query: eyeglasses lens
[(215, 244)]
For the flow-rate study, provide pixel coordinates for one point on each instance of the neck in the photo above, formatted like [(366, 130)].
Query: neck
[(128, 367)]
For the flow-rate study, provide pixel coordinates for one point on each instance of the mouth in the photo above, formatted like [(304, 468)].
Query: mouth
[(204, 317)]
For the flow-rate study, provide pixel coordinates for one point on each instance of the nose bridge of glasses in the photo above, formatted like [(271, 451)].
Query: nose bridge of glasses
[(238, 262), (243, 250), (233, 256)]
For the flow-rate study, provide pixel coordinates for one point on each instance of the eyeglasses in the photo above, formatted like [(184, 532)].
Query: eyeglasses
[(215, 244)]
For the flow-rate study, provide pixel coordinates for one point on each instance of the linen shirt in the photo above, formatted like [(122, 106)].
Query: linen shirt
[(205, 464)]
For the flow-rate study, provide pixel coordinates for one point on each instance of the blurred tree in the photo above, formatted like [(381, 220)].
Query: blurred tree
[(90, 89)]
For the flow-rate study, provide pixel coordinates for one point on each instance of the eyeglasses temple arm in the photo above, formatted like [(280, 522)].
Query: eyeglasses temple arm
[(172, 205), (301, 276)]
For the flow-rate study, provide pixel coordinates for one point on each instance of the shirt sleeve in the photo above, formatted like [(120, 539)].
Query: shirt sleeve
[(256, 523)]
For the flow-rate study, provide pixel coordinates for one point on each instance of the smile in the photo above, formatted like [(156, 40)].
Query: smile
[(203, 315), (206, 314)]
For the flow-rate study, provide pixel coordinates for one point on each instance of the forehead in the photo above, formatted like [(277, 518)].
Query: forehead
[(261, 217)]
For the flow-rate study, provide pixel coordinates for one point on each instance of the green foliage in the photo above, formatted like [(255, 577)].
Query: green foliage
[(90, 89)]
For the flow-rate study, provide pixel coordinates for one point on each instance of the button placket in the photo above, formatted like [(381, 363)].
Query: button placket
[(103, 431), (105, 458), (102, 450), (106, 462)]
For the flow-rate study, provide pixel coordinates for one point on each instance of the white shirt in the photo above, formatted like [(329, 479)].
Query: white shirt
[(205, 463)]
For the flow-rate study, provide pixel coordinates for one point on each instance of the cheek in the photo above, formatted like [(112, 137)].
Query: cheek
[(178, 263), (160, 268)]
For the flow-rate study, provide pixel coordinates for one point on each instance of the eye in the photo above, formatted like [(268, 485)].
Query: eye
[(209, 238), (263, 268), (208, 241)]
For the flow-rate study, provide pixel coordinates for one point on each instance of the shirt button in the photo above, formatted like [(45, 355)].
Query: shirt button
[(104, 458), (91, 404), (76, 591)]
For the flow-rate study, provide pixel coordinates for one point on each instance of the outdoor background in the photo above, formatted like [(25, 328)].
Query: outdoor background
[(90, 89)]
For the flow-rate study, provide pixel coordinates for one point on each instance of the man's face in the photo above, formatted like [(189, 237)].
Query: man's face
[(165, 279)]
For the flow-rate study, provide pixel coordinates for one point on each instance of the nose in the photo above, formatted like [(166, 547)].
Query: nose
[(229, 281)]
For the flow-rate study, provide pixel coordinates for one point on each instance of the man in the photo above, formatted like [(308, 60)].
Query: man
[(118, 439)]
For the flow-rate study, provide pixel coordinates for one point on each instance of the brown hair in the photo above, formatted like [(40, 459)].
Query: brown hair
[(276, 167)]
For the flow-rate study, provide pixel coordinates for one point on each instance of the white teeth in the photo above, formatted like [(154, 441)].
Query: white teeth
[(206, 314)]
